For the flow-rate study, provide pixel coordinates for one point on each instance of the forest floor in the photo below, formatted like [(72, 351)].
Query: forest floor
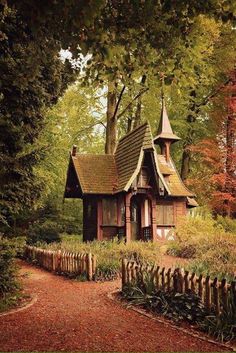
[(79, 316)]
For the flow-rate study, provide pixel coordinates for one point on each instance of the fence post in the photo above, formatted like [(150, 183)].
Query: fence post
[(89, 267), (168, 275), (233, 291), (157, 277), (216, 299), (94, 260), (186, 281), (124, 273), (200, 287), (193, 282), (208, 293), (224, 293)]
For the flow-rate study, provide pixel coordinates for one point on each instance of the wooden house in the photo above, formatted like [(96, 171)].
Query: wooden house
[(135, 193)]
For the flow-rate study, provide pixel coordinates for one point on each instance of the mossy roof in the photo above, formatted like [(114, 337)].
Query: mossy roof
[(110, 174)]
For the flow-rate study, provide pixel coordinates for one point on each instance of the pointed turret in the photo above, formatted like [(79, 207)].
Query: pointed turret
[(165, 136)]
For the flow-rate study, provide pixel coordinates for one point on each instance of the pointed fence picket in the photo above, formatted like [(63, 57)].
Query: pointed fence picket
[(214, 294), (63, 262)]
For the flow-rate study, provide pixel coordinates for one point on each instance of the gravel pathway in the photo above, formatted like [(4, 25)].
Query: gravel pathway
[(79, 316)]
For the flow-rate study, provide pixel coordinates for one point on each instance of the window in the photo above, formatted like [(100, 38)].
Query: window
[(165, 214), (109, 211), (134, 212)]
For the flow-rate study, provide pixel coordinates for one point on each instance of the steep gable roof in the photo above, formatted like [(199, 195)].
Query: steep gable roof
[(129, 154), (96, 173), (174, 181), (110, 174)]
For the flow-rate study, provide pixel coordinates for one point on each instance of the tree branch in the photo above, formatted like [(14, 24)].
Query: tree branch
[(134, 99), (212, 94), (90, 127), (118, 102)]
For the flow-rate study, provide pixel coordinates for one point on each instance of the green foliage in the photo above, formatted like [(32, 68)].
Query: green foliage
[(110, 253), (31, 79), (222, 327), (175, 306), (181, 307), (47, 232), (213, 251), (8, 269), (227, 223)]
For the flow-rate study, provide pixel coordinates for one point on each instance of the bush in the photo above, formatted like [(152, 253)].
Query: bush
[(47, 232), (175, 306), (228, 224), (222, 327), (8, 269), (212, 250), (110, 253)]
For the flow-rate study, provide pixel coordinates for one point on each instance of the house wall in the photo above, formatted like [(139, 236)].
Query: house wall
[(176, 209), (90, 218)]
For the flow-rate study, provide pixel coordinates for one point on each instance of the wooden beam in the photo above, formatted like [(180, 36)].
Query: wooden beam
[(127, 217)]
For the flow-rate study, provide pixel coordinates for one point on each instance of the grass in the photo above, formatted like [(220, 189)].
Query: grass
[(210, 247), (110, 253)]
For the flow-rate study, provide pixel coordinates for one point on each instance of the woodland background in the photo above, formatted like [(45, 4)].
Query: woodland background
[(105, 82)]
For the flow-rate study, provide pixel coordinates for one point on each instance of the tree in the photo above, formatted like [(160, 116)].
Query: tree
[(136, 37), (31, 79)]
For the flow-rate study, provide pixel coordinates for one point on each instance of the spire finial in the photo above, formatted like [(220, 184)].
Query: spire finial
[(162, 86)]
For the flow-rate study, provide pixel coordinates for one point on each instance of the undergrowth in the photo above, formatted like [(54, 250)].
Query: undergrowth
[(109, 253), (9, 286), (179, 307), (210, 247)]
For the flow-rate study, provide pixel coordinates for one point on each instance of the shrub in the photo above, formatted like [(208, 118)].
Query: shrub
[(8, 269), (212, 250), (110, 253), (175, 306), (47, 232), (228, 224), (222, 327)]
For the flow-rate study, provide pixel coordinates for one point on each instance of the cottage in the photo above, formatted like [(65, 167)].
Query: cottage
[(135, 193)]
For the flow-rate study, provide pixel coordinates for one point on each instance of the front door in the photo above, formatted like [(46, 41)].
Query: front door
[(135, 218)]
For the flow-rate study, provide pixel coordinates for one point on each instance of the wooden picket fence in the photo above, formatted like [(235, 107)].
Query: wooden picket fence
[(214, 294), (62, 262)]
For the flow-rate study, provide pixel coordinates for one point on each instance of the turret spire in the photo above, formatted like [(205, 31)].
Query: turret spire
[(165, 136)]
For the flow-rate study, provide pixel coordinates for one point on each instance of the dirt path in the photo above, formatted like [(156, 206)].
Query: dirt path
[(78, 316)]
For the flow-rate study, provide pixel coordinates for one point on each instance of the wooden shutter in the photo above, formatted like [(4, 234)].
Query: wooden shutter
[(169, 214), (160, 214), (109, 210)]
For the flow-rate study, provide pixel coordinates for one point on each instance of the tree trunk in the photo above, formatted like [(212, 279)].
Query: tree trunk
[(186, 160), (111, 128), (137, 118)]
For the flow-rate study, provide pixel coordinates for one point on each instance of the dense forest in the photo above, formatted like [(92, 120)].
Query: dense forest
[(87, 72)]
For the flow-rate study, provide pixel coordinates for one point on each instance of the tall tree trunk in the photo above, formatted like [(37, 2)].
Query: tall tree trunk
[(111, 129), (186, 160), (137, 118)]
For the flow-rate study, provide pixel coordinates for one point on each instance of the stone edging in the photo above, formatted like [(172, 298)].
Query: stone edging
[(189, 332), (24, 307)]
